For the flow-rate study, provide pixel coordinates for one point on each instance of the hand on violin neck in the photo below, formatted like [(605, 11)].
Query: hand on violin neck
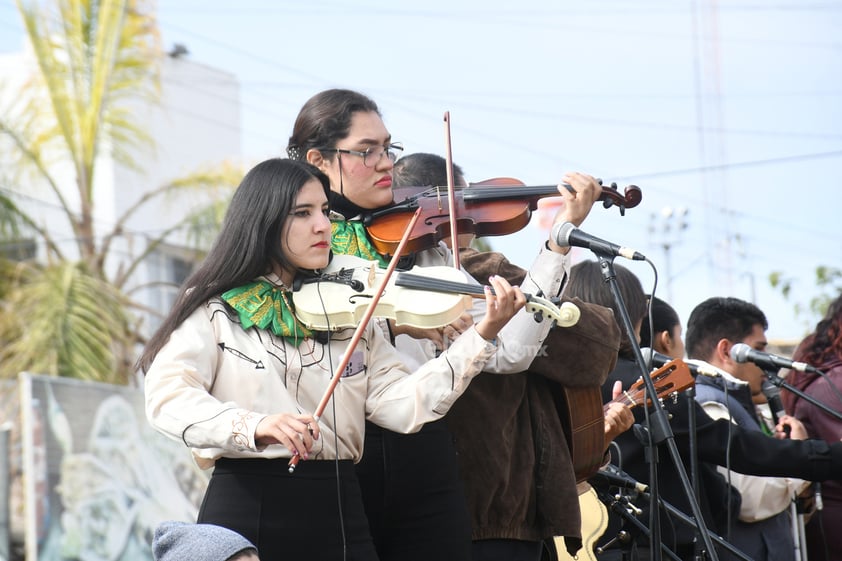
[(579, 191), (502, 302)]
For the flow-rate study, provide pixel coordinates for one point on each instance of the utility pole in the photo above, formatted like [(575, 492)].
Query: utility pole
[(666, 230)]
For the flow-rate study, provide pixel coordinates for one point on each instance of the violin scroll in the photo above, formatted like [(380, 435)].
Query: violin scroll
[(566, 315), (631, 197), (610, 196)]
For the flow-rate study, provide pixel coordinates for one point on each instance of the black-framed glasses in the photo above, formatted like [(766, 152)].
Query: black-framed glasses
[(372, 155)]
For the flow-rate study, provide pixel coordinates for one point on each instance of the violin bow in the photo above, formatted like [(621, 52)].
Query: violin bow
[(451, 197), (358, 332)]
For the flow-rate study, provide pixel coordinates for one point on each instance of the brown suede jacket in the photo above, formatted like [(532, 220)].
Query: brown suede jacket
[(513, 432)]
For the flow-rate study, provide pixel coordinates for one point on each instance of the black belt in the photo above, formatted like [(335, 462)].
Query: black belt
[(280, 466)]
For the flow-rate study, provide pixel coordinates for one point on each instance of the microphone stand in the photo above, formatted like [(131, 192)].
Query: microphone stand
[(779, 382), (694, 454), (658, 425), (620, 505), (694, 458), (718, 539)]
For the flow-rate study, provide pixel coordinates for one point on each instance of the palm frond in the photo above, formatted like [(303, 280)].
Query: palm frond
[(63, 321), (95, 58), (10, 218), (94, 61)]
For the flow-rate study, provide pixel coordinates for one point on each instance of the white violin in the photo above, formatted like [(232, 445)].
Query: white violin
[(423, 297)]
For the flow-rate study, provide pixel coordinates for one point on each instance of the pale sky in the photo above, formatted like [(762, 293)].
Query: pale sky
[(731, 110)]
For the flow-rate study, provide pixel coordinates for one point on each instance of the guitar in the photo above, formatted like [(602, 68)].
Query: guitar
[(583, 412), (671, 378), (594, 523)]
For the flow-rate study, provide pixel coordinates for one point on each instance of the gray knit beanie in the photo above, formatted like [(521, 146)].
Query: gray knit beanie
[(181, 541)]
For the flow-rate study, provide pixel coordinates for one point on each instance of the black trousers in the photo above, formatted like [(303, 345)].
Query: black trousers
[(507, 550), (310, 514), (413, 496)]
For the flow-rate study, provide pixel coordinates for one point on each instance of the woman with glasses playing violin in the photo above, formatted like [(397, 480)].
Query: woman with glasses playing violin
[(411, 487), (233, 375)]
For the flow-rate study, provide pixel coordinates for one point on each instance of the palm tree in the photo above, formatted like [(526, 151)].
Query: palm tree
[(67, 314)]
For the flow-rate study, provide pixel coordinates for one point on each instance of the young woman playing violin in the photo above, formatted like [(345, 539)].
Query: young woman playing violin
[(410, 484), (233, 375)]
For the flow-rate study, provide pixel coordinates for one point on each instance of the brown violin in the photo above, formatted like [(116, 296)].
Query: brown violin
[(494, 207)]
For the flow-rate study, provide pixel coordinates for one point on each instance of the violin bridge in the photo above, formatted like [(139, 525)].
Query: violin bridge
[(372, 273)]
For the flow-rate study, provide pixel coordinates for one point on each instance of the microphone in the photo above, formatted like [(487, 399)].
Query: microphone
[(658, 360), (743, 353), (607, 475), (773, 398), (567, 234)]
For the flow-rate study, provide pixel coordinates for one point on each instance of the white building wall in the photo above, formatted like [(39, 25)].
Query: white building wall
[(196, 125)]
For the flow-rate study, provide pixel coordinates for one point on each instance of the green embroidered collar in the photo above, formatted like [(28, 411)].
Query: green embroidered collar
[(348, 237), (266, 306)]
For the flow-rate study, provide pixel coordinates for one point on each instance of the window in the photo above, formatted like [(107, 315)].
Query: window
[(18, 250), (169, 267)]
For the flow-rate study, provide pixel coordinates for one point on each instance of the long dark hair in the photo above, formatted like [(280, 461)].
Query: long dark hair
[(325, 119), (821, 347), (587, 283), (248, 245)]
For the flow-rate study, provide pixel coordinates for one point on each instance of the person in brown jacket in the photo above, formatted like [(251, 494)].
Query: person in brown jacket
[(513, 433)]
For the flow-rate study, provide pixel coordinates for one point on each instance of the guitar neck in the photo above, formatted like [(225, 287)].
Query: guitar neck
[(623, 399), (672, 377)]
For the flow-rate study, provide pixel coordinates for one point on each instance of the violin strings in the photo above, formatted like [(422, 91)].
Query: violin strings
[(410, 280)]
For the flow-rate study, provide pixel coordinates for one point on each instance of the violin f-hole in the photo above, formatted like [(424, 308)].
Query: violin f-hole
[(433, 220)]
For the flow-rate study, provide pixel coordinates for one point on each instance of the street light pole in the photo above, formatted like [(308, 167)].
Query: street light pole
[(668, 229)]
